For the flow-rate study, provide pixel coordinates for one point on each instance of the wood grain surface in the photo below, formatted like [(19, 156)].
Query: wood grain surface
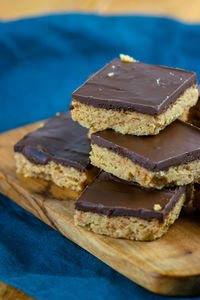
[(168, 266), (8, 292), (12, 9), (185, 10)]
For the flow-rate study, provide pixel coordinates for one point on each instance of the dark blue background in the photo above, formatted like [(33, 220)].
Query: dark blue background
[(42, 61)]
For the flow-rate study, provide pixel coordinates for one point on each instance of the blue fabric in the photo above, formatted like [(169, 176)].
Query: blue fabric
[(42, 61)]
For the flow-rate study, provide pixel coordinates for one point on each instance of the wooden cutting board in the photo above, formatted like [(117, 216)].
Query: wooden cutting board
[(168, 266)]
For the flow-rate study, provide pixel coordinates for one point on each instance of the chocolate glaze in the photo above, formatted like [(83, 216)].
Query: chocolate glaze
[(60, 140), (113, 197), (145, 88), (177, 144)]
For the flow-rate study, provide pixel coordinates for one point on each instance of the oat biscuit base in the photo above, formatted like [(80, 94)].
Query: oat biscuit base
[(62, 176)]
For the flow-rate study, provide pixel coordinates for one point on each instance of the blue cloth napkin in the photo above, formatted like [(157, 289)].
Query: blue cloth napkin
[(42, 60)]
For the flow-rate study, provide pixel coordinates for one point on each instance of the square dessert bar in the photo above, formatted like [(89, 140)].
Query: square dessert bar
[(170, 158), (134, 98), (122, 209), (57, 151)]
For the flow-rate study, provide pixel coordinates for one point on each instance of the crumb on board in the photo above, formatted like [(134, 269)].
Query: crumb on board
[(111, 74), (41, 125), (157, 207), (127, 58)]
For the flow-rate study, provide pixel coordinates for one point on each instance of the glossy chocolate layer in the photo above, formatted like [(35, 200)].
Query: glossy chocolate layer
[(113, 197), (145, 88), (177, 144), (60, 140)]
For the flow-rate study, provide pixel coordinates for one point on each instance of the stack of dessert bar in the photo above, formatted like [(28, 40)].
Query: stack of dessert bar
[(134, 165)]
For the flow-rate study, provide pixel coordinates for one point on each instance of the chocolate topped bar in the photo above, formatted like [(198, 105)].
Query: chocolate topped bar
[(177, 144), (135, 86), (60, 140), (111, 196)]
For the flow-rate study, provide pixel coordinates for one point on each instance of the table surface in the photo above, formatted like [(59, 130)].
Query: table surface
[(11, 9), (185, 10)]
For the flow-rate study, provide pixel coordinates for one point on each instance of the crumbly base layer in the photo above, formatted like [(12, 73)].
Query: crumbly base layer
[(127, 122), (47, 188), (131, 228), (62, 176), (124, 168), (184, 116)]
